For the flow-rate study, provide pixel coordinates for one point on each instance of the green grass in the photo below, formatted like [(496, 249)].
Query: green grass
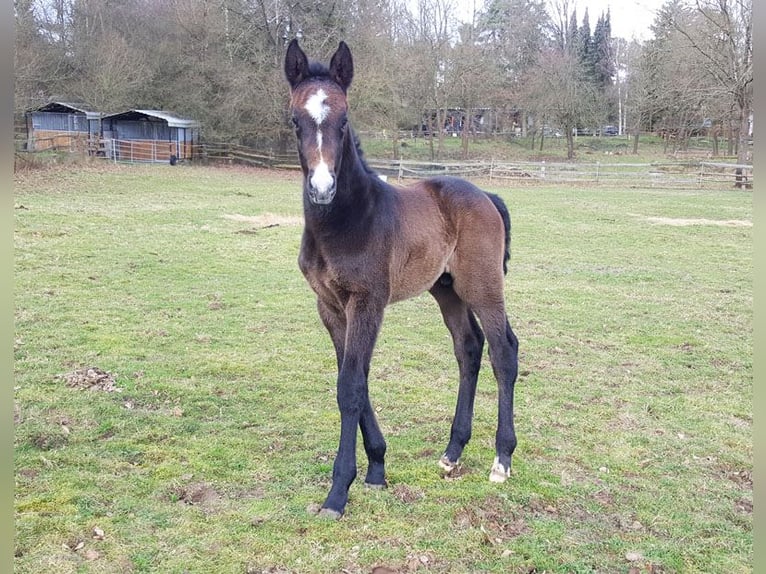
[(633, 410)]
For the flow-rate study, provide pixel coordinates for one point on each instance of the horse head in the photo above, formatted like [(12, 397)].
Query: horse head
[(319, 112)]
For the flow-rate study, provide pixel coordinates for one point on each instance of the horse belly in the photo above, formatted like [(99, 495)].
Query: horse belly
[(417, 273)]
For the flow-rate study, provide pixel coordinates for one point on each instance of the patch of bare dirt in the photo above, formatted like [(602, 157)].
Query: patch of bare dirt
[(199, 494), (742, 478), (685, 222), (406, 494), (91, 378), (265, 220), (493, 518)]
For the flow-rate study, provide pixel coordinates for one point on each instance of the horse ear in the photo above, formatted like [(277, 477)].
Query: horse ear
[(296, 64), (342, 66)]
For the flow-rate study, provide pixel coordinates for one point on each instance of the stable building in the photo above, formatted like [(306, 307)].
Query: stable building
[(68, 126), (149, 136)]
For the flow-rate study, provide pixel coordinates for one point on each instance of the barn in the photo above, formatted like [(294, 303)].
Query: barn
[(149, 136), (71, 126)]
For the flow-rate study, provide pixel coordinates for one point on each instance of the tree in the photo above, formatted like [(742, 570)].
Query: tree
[(635, 81), (513, 32), (557, 89), (601, 57), (725, 45)]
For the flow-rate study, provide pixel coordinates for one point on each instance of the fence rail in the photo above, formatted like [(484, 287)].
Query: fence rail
[(656, 174), (233, 153), (687, 173)]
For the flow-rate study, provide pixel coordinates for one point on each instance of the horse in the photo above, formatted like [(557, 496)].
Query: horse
[(367, 244)]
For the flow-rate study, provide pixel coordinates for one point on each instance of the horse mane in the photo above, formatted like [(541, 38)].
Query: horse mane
[(360, 154), (318, 70)]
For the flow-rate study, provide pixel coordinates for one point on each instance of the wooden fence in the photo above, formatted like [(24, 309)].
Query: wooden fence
[(686, 174), (671, 173), (233, 153)]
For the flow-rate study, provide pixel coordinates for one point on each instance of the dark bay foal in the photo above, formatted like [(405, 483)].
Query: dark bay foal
[(367, 244)]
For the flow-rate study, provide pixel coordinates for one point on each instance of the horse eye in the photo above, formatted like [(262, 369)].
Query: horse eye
[(343, 123), (295, 122)]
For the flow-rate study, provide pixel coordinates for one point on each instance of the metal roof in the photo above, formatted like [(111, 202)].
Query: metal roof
[(173, 120), (66, 107)]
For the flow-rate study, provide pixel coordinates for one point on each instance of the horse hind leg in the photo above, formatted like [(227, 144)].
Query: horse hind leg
[(468, 344), (503, 354)]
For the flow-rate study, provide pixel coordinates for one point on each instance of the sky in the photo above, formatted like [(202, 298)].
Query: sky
[(630, 18)]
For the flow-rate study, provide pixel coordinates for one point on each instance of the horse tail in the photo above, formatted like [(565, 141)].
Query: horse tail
[(500, 206)]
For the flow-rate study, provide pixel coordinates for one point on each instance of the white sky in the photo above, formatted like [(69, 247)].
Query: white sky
[(630, 18)]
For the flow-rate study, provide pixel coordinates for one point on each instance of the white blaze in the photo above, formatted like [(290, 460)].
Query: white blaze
[(316, 107), (322, 179)]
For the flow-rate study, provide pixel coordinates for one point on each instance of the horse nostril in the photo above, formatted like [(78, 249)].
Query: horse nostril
[(322, 179), (322, 197)]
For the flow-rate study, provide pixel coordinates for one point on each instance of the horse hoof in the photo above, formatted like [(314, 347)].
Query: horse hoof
[(375, 486), (499, 473), (329, 513), (447, 464)]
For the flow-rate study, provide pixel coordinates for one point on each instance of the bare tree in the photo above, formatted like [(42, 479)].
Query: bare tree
[(722, 33), (556, 89)]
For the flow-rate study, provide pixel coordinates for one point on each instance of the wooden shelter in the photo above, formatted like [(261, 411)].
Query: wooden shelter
[(149, 136), (58, 125)]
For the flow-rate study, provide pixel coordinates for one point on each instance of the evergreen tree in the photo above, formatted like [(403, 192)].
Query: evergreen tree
[(585, 49), (601, 59), (572, 35)]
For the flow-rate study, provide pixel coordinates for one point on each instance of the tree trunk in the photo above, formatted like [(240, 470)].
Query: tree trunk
[(742, 147), (465, 133), (431, 128), (441, 116), (570, 141), (395, 144), (715, 131)]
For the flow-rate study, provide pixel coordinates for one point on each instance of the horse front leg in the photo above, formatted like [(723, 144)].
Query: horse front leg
[(374, 447), (363, 319), (334, 320)]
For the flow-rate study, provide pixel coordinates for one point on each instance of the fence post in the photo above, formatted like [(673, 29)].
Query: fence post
[(598, 170)]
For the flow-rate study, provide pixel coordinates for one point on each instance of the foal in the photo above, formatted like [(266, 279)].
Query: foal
[(367, 244)]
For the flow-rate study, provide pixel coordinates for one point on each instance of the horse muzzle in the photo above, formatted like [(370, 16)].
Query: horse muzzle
[(321, 197), (321, 185)]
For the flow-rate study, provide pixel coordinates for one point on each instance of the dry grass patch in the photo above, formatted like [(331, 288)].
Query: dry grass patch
[(265, 220), (685, 222)]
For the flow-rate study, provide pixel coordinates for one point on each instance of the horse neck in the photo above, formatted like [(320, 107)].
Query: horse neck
[(354, 179), (357, 197)]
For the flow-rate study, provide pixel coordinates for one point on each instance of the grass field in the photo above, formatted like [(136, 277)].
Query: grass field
[(207, 424)]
